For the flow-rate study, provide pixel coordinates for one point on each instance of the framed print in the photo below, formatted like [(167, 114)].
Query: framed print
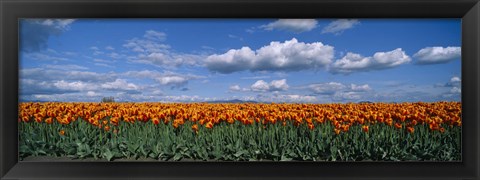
[(224, 89)]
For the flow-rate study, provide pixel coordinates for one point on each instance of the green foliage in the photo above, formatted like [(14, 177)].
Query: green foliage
[(238, 142)]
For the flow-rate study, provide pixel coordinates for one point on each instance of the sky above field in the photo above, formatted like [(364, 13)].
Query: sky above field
[(264, 60)]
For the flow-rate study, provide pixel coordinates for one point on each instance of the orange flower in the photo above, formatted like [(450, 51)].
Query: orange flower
[(410, 129), (195, 128), (49, 120), (365, 128), (209, 125), (442, 130), (310, 126), (337, 131), (62, 132), (155, 121), (398, 125), (107, 128)]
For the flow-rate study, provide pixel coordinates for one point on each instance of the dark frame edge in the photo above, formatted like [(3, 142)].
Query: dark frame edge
[(9, 168), (2, 166), (470, 50)]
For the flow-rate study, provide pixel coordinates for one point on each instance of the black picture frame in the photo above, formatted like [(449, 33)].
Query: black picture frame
[(467, 10)]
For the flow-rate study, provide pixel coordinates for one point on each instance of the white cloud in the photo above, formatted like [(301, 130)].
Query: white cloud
[(340, 25), (279, 85), (155, 35), (342, 96), (256, 77), (235, 37), (66, 67), (166, 78), (260, 85), (335, 91), (145, 45), (44, 57), (172, 79), (235, 88), (92, 94), (151, 51), (61, 24), (364, 87), (455, 90), (110, 48), (454, 84), (74, 86), (326, 88), (275, 85), (381, 60), (56, 75), (104, 65), (290, 55), (455, 79), (293, 25), (35, 33), (437, 55), (295, 98), (103, 61), (119, 84)]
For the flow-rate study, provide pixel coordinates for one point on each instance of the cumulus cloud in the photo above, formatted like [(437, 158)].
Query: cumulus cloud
[(74, 86), (260, 85), (44, 57), (279, 85), (167, 78), (119, 84), (167, 59), (347, 96), (293, 25), (151, 50), (92, 94), (326, 88), (275, 85), (340, 25), (34, 33), (338, 91), (155, 35), (289, 98), (437, 55), (235, 88), (145, 45), (455, 81), (290, 55), (364, 87), (455, 88), (381, 60), (56, 74), (53, 81), (110, 48), (66, 67)]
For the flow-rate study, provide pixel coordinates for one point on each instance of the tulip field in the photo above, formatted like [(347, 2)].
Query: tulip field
[(418, 131)]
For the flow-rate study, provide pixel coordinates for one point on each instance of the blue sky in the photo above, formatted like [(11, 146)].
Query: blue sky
[(266, 60)]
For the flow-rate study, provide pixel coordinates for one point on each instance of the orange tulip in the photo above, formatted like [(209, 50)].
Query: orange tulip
[(209, 125), (398, 125), (310, 126), (365, 128), (410, 129), (195, 128)]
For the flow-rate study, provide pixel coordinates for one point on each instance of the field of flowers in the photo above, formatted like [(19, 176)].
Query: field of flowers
[(242, 132)]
